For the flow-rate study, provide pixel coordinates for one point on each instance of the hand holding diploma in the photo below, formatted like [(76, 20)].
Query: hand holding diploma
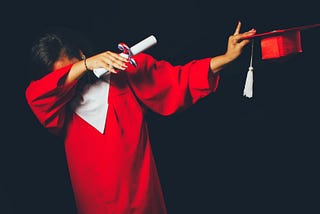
[(125, 56)]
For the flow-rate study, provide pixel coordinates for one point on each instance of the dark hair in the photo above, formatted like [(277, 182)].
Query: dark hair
[(47, 47)]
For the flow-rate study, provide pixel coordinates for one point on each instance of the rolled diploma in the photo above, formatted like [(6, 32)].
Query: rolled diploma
[(137, 48)]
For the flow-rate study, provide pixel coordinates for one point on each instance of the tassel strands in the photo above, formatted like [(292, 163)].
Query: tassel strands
[(248, 88)]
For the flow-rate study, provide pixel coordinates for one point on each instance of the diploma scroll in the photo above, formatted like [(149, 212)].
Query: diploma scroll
[(129, 52)]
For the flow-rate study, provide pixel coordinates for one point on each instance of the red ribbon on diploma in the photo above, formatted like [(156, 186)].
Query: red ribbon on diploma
[(126, 50)]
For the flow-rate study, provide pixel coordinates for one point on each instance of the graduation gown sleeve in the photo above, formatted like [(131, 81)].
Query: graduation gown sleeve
[(166, 88), (48, 97)]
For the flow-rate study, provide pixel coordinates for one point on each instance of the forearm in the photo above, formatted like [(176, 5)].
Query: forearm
[(77, 70), (217, 63)]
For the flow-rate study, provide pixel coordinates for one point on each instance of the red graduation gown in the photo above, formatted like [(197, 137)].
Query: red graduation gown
[(115, 172)]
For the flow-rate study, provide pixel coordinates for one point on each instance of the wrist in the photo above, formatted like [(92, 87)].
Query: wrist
[(227, 58), (84, 59), (217, 63)]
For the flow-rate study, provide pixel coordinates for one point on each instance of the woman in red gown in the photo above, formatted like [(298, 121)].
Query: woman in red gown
[(110, 161)]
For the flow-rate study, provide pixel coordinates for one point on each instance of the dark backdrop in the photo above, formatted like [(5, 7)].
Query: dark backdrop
[(225, 154)]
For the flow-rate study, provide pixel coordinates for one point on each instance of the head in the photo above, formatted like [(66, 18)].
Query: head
[(56, 48)]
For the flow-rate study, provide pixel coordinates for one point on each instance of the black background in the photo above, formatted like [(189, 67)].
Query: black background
[(225, 154)]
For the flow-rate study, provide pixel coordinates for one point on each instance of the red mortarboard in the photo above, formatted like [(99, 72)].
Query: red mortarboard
[(274, 45), (280, 43)]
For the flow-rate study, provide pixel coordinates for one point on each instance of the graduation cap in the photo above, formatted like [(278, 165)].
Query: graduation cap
[(275, 44)]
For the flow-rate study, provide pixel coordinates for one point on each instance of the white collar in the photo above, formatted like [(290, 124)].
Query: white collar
[(92, 103)]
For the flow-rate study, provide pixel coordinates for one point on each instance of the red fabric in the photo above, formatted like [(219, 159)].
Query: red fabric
[(115, 172), (282, 45)]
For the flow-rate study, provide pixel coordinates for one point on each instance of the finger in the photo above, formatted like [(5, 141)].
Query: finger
[(111, 69), (234, 39), (244, 43), (118, 56), (119, 66), (113, 61), (250, 32), (237, 31), (110, 57), (116, 64), (247, 34)]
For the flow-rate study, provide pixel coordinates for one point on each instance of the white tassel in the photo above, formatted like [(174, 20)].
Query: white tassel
[(248, 87)]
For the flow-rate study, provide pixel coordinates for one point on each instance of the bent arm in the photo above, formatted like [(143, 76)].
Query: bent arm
[(48, 96), (107, 60)]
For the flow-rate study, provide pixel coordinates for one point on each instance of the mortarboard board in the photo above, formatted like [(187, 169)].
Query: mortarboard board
[(280, 43), (276, 44)]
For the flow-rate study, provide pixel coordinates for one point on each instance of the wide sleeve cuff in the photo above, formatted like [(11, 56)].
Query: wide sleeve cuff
[(202, 81), (54, 81)]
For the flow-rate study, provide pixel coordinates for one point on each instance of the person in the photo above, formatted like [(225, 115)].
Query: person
[(102, 120)]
